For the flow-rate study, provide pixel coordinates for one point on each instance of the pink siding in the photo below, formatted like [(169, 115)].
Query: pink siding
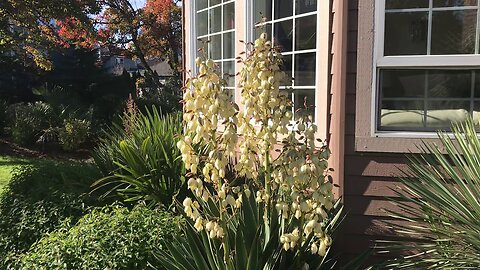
[(369, 177)]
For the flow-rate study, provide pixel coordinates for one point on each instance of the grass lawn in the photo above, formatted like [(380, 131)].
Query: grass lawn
[(7, 164)]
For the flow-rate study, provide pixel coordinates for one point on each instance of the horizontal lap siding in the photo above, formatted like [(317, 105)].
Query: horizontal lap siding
[(369, 177)]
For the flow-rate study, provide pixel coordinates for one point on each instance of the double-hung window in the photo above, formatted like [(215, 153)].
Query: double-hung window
[(215, 35), (426, 64), (293, 26)]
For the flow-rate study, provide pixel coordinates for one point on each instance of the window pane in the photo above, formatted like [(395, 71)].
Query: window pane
[(402, 115), (229, 16), (304, 103), (202, 23), (229, 73), (266, 28), (477, 84), (453, 3), (215, 2), (406, 33), (476, 112), (305, 32), (228, 45), (402, 83), (305, 69), (401, 4), (283, 34), (201, 4), (215, 19), (454, 32), (263, 8), (441, 114), (304, 6), (287, 68), (450, 84), (215, 46), (283, 8), (201, 48), (448, 99)]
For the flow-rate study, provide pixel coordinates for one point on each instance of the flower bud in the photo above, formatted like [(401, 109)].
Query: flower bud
[(210, 63)]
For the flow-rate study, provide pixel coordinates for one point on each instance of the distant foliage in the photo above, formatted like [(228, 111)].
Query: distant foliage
[(73, 133), (37, 199), (113, 237), (140, 159), (29, 120)]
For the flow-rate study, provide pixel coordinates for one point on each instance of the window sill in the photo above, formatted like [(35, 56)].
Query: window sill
[(391, 144)]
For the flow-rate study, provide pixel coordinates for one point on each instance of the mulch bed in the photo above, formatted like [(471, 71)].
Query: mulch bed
[(51, 151)]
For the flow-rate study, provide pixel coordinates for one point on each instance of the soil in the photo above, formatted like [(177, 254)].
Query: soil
[(51, 151)]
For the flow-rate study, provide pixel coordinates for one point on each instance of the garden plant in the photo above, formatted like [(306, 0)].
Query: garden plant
[(268, 206), (140, 159), (439, 205), (38, 199), (111, 237)]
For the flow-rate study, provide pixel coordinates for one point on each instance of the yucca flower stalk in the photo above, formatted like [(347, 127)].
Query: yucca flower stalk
[(280, 163)]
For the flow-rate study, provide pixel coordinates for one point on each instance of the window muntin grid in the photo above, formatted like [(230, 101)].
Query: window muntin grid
[(431, 27), (424, 80), (293, 26), (215, 36)]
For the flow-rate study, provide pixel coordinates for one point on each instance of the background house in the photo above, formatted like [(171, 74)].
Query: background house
[(381, 75)]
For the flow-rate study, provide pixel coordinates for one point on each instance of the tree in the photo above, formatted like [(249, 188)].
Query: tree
[(29, 28), (152, 31)]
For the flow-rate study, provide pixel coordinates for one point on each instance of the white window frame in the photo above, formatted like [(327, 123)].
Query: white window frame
[(193, 38), (244, 24), (413, 61), (322, 53)]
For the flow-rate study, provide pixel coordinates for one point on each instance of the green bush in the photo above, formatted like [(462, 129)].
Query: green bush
[(29, 120), (73, 133), (439, 206), (107, 238), (140, 159), (38, 198)]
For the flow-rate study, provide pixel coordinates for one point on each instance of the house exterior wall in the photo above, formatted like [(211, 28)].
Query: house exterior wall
[(369, 177)]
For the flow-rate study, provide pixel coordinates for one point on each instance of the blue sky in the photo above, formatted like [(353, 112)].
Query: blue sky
[(137, 3)]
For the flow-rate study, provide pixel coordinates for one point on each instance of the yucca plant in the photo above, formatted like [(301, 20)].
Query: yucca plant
[(254, 205), (439, 204), (142, 162), (247, 241)]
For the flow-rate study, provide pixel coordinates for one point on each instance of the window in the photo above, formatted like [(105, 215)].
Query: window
[(293, 26), (427, 64), (215, 35), (301, 27)]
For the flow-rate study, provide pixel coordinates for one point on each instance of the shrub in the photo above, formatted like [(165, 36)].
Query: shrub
[(439, 205), (141, 159), (73, 133), (29, 120), (107, 238), (38, 198)]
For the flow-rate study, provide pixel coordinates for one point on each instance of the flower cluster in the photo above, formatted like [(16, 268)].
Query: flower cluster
[(266, 111), (293, 181)]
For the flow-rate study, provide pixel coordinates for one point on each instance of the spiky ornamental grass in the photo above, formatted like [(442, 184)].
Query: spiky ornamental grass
[(439, 204), (141, 160)]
